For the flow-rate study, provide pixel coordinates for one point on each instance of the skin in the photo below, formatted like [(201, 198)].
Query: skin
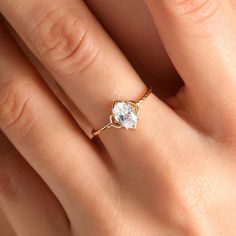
[(6, 228), (174, 175), (140, 42), (162, 76)]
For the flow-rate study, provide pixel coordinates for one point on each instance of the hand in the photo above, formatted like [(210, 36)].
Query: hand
[(174, 175), (142, 47)]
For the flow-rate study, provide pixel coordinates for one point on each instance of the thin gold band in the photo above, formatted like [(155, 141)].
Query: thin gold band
[(114, 124)]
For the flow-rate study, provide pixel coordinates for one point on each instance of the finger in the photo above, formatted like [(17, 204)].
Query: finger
[(25, 199), (50, 81), (46, 136), (139, 39), (200, 39), (91, 70), (199, 29)]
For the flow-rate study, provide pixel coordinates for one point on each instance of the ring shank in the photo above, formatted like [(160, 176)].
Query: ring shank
[(103, 129), (144, 97)]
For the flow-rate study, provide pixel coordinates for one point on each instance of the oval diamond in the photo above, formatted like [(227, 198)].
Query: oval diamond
[(125, 114)]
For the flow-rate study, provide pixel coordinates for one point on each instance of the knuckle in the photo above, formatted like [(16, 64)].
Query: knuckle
[(16, 111), (194, 11), (62, 39)]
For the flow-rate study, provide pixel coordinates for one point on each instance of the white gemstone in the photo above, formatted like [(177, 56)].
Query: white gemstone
[(125, 114)]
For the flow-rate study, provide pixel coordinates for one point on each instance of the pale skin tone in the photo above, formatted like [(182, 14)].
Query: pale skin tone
[(174, 175)]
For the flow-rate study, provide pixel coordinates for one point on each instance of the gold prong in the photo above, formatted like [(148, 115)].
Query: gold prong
[(114, 123)]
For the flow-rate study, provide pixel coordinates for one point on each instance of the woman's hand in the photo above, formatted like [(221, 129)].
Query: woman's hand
[(174, 175)]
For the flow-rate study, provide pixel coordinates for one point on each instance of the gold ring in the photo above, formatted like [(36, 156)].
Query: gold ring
[(124, 114)]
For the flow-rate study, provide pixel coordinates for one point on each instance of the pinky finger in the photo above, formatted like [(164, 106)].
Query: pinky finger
[(29, 205)]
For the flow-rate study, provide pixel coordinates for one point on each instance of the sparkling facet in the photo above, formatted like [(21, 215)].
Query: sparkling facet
[(125, 114)]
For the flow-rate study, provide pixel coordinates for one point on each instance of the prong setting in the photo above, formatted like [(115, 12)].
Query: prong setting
[(125, 114)]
